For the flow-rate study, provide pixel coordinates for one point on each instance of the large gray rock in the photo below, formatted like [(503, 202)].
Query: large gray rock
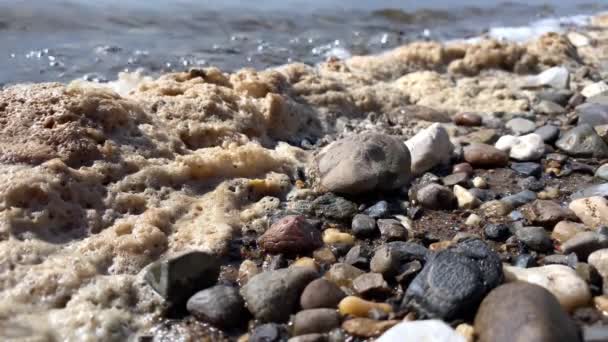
[(429, 148), (272, 296), (582, 141), (179, 277), (219, 305), (364, 163), (454, 281), (523, 312)]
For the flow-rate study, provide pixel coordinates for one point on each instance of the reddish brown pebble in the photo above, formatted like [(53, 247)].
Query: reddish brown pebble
[(484, 155), (467, 119), (291, 235), (463, 167)]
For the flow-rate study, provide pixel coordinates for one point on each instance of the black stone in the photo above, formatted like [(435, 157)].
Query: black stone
[(497, 232), (525, 261), (219, 305), (531, 183), (527, 169), (358, 256), (334, 207), (363, 225), (549, 133), (378, 210)]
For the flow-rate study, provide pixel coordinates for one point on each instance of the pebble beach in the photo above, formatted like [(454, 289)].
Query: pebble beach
[(450, 190)]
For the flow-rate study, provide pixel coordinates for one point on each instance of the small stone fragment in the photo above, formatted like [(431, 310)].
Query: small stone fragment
[(358, 307), (370, 282), (392, 230), (465, 199), (363, 225)]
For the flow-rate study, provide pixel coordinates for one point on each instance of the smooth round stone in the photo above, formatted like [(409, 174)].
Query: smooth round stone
[(271, 296), (535, 238), (392, 230), (321, 293), (473, 220), (548, 133), (363, 225), (592, 211), (600, 190), (520, 126), (424, 330), (436, 197), (593, 114), (584, 243), (358, 307), (524, 148), (467, 119), (497, 231), (483, 155), (463, 167), (565, 230), (314, 321), (583, 142), (219, 305), (602, 172), (523, 312), (377, 210), (364, 163), (562, 281), (291, 235), (480, 182), (429, 148), (527, 169), (460, 178)]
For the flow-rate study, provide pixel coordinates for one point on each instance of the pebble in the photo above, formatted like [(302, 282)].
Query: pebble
[(559, 96), (524, 261), (593, 114), (599, 260), (306, 262), (547, 213), (594, 89), (391, 258), (592, 211), (178, 277), (333, 236), (392, 230), (555, 77), (307, 338), (247, 269), (358, 307), (583, 142), (584, 243), (315, 321), (480, 182), (465, 199), (527, 169), (550, 192), (484, 195), (549, 108), (453, 281), (600, 190), (363, 225), (273, 295), (467, 331), (269, 332), (343, 274), (519, 199), (324, 256), (524, 148), (380, 209), (520, 126), (334, 207), (364, 163), (483, 155), (358, 256), (548, 133), (562, 281), (370, 282), (429, 148), (219, 305), (602, 172), (531, 183), (535, 238), (473, 220), (436, 197), (565, 230), (463, 167), (290, 235), (496, 209), (321, 293), (523, 312), (432, 330), (467, 119), (497, 231), (460, 178), (366, 327)]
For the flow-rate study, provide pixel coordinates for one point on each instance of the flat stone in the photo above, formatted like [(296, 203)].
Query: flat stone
[(520, 126), (178, 277), (594, 89), (363, 225), (505, 316), (392, 230), (519, 199), (273, 295), (269, 332), (565, 230), (593, 114), (524, 261), (556, 77), (527, 169), (535, 238), (321, 293), (358, 256), (378, 210), (460, 178), (483, 155), (546, 213), (562, 281), (364, 163), (454, 281), (370, 282), (342, 274), (582, 141), (593, 211), (467, 119), (600, 190), (584, 243), (436, 197), (315, 321), (391, 257), (548, 133), (219, 305), (429, 148), (425, 330), (291, 235), (549, 108)]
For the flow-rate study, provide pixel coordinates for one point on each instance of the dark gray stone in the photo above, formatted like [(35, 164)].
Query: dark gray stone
[(549, 108), (391, 257), (520, 126), (358, 256), (219, 305), (315, 321), (535, 238), (593, 114), (408, 272), (497, 231), (392, 230), (584, 243), (454, 281), (269, 332), (436, 197), (531, 183), (380, 209), (179, 277), (590, 191), (582, 141), (522, 311), (334, 207), (549, 133), (321, 293), (524, 261), (527, 169), (363, 225), (484, 195), (519, 199), (272, 296)]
